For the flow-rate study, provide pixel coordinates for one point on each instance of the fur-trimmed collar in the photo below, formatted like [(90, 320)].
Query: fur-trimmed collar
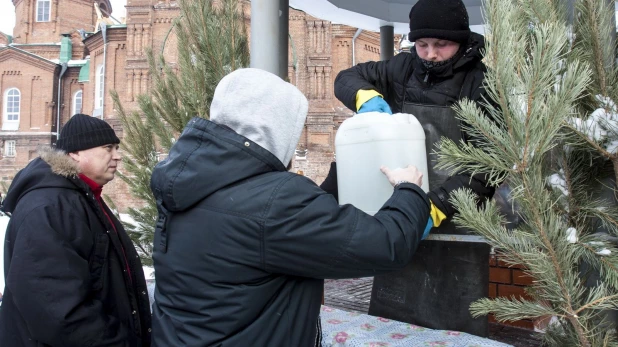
[(60, 163)]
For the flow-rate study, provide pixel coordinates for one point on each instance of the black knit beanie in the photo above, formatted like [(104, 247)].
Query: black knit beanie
[(84, 132), (439, 19)]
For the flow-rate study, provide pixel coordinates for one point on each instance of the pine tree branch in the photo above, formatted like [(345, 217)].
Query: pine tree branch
[(596, 302), (571, 314), (590, 142), (510, 309)]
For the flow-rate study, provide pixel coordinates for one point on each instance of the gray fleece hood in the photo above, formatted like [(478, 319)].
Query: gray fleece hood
[(263, 108)]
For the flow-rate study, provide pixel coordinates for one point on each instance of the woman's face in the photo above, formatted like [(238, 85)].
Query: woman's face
[(435, 50)]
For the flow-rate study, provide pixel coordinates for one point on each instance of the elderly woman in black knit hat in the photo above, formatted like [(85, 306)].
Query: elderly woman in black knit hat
[(443, 67)]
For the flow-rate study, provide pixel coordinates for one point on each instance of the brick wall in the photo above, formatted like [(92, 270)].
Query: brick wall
[(65, 17), (318, 51), (511, 281)]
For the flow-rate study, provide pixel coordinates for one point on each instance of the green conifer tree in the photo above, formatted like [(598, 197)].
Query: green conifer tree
[(553, 129), (212, 42)]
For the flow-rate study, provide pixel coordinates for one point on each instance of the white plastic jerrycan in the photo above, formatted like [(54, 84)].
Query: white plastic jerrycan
[(369, 140)]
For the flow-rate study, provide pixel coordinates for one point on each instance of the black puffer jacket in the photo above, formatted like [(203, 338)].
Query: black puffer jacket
[(242, 246), (66, 279), (405, 79)]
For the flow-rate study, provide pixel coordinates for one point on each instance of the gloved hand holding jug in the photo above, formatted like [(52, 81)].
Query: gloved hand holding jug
[(371, 101)]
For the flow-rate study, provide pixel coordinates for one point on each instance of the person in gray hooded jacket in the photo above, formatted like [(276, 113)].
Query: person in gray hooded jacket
[(242, 245)]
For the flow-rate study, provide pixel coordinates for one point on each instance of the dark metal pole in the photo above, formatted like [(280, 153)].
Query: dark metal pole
[(284, 29), (387, 42)]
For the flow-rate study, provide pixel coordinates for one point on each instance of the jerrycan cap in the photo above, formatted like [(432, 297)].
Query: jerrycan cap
[(361, 120)]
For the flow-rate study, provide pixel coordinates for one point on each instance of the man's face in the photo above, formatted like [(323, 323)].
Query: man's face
[(435, 50), (98, 163)]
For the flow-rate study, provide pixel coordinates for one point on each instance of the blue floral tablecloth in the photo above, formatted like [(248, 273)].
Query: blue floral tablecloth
[(351, 329)]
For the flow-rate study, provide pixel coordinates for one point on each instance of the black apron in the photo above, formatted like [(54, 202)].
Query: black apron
[(450, 269)]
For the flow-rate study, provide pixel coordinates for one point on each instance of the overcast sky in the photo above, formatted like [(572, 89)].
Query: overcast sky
[(7, 14)]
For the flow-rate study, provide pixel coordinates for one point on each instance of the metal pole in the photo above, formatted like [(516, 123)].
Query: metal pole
[(358, 32), (284, 30), (387, 42), (104, 33), (265, 26)]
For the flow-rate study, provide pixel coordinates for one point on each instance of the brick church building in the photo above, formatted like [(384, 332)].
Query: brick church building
[(57, 63)]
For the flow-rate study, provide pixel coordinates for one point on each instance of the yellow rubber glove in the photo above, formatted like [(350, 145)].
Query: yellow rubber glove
[(436, 215), (363, 95)]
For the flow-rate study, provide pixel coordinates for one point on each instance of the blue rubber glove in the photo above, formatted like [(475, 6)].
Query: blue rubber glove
[(427, 228), (375, 104)]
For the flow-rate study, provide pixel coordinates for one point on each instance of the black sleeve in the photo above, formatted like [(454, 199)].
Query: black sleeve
[(478, 184), (308, 234), (330, 182), (49, 277), (372, 75)]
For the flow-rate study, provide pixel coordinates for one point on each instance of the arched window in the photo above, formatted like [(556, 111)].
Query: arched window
[(77, 102), (43, 10), (99, 92), (12, 99)]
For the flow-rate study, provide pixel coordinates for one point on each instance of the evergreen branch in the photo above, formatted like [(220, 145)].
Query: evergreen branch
[(477, 125), (599, 304), (608, 219), (584, 137), (510, 309), (606, 265), (475, 160), (537, 220), (211, 42)]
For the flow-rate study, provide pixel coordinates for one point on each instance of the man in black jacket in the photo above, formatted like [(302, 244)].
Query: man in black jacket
[(242, 245), (73, 277), (443, 67)]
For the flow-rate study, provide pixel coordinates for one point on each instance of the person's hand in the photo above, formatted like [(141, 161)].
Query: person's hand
[(409, 174), (375, 104)]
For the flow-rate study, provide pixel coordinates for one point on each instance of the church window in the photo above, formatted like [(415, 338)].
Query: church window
[(12, 99), (77, 102), (99, 92), (9, 148), (43, 10)]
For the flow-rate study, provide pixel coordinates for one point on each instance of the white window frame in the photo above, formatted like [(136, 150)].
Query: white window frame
[(11, 124), (9, 148), (99, 92), (78, 96), (45, 16)]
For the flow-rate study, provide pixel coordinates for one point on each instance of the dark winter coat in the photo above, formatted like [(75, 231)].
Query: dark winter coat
[(66, 279), (404, 79), (242, 246)]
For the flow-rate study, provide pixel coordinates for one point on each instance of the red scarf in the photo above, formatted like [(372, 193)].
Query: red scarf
[(97, 189)]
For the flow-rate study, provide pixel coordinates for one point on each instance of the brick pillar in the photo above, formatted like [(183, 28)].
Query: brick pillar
[(511, 281)]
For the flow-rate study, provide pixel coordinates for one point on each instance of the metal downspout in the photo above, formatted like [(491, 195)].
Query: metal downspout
[(104, 33), (358, 31), (62, 71)]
